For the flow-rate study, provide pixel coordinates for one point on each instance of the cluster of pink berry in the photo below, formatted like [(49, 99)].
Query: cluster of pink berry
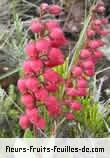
[(41, 82), (88, 57)]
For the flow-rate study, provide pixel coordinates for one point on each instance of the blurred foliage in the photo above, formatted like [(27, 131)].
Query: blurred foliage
[(9, 113)]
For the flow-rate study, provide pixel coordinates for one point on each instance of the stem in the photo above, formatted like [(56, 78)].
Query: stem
[(35, 131), (56, 126), (16, 105), (98, 72), (10, 73)]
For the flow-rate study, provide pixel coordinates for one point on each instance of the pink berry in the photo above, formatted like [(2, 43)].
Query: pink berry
[(24, 122), (103, 32), (76, 105), (72, 92), (52, 105), (98, 54), (30, 49), (82, 92), (85, 53), (96, 28), (41, 123), (51, 87), (44, 7), (54, 9), (33, 115), (69, 116), (90, 72), (101, 43), (28, 101), (52, 76), (55, 57), (95, 44), (27, 67), (88, 64), (36, 26), (81, 83), (57, 33), (32, 83), (50, 25), (41, 94), (22, 86), (62, 41), (43, 45), (77, 71), (97, 22), (90, 33), (36, 66), (104, 21), (100, 9), (92, 58)]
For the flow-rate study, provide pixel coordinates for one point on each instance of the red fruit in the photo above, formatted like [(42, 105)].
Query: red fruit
[(90, 72), (54, 9), (92, 58), (81, 83), (52, 105), (36, 66), (43, 45), (33, 115), (24, 122), (41, 123), (101, 43), (69, 116), (85, 53), (104, 21), (41, 94), (88, 64), (50, 25), (98, 54), (32, 83), (100, 9), (27, 67), (82, 92), (103, 32), (55, 57), (75, 105), (97, 22), (36, 26), (95, 44), (51, 76), (51, 87), (44, 7), (30, 49), (22, 86), (28, 101), (59, 42), (57, 33), (90, 33), (96, 28), (72, 92), (77, 71)]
